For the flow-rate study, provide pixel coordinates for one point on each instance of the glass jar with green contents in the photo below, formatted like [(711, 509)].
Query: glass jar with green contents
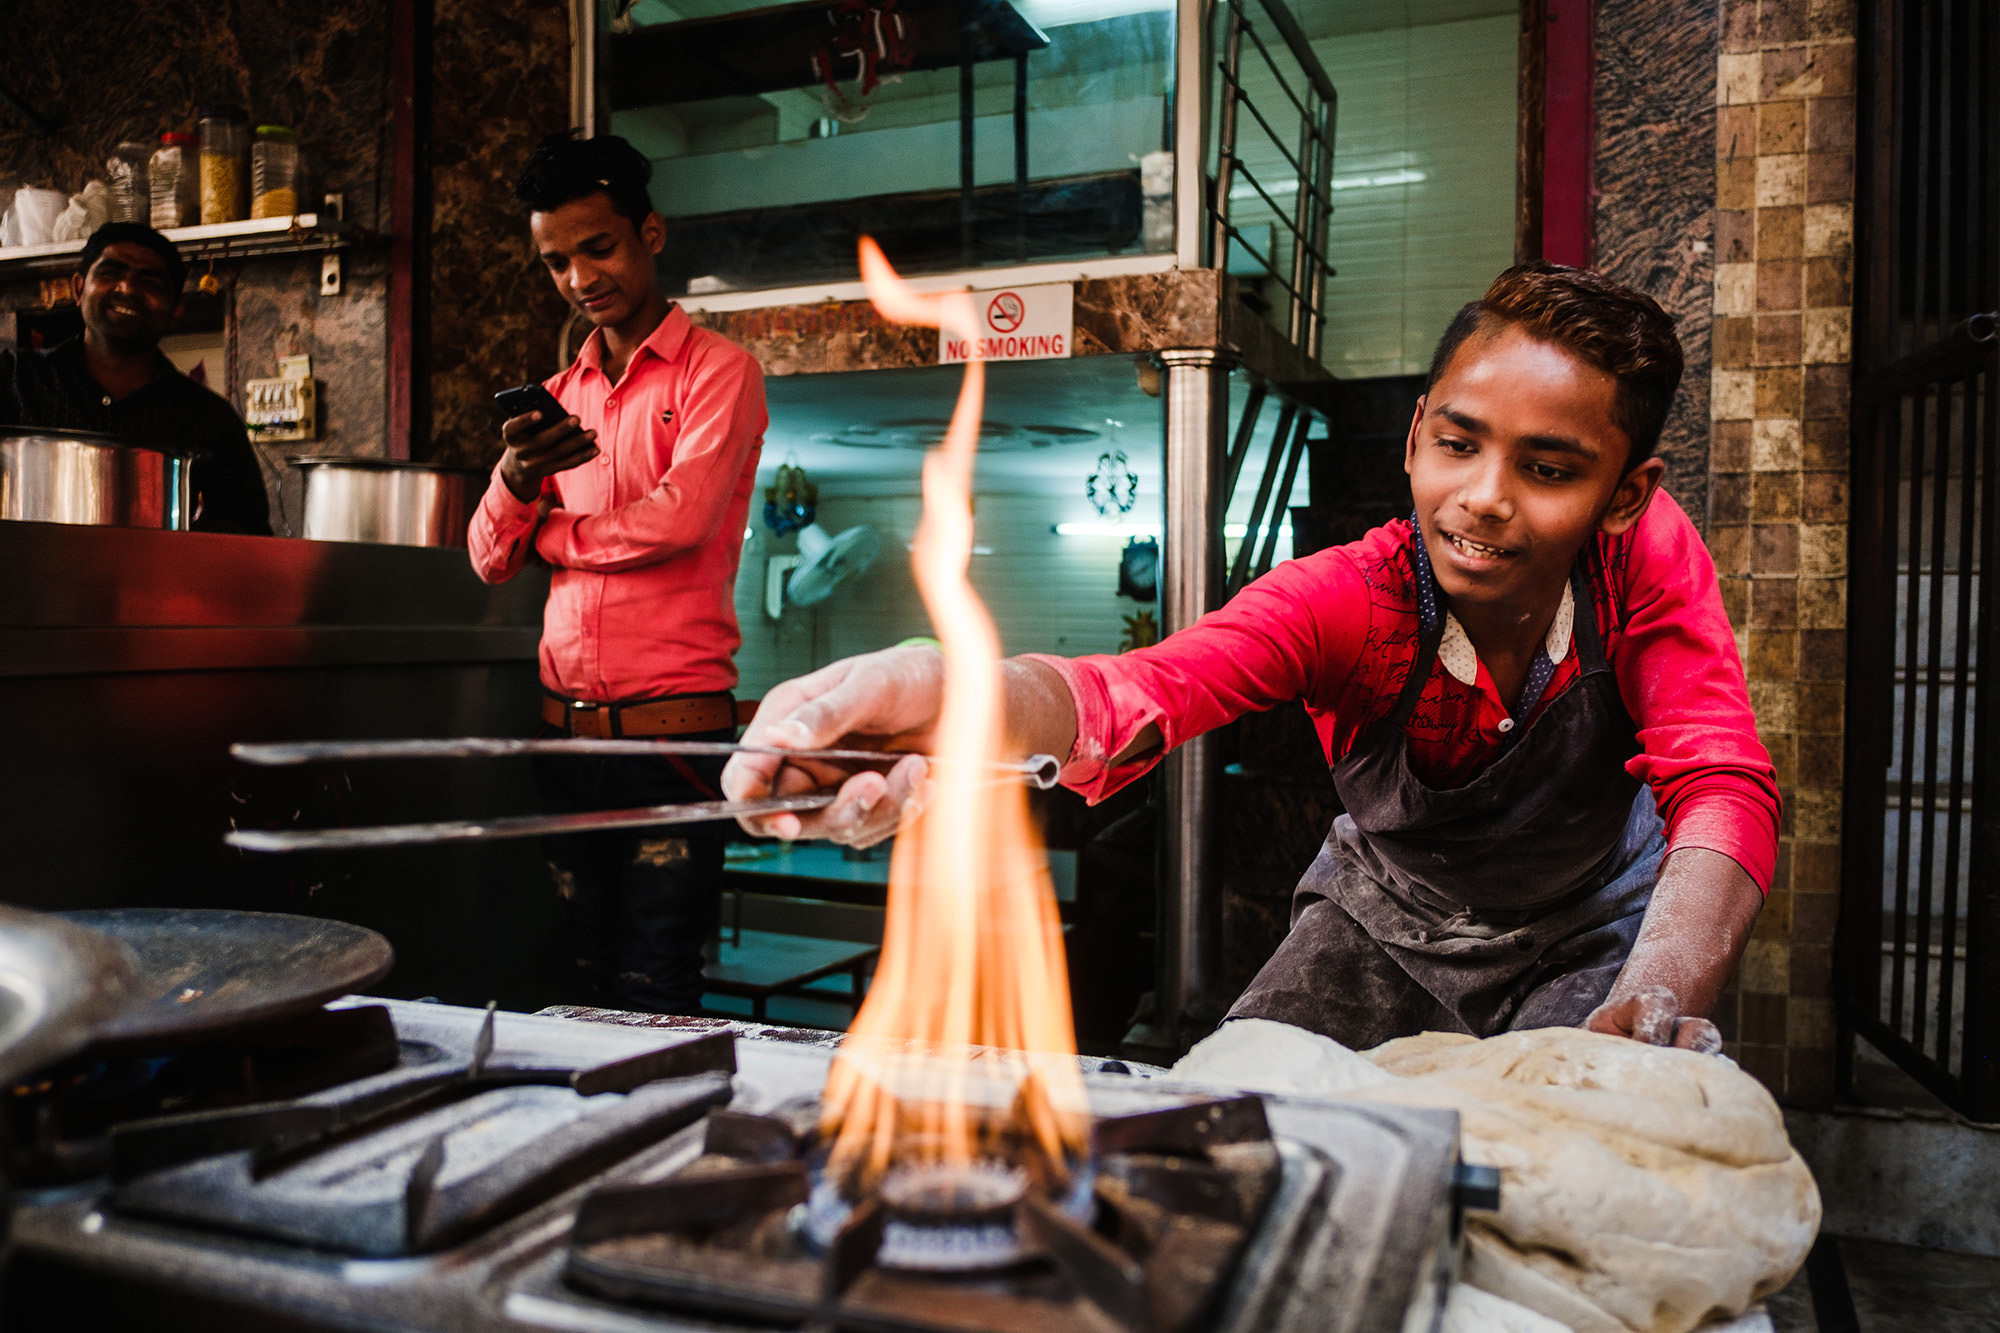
[(225, 152), (274, 172)]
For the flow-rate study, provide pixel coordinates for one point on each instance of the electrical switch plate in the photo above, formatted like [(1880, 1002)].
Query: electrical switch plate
[(329, 276), (286, 409)]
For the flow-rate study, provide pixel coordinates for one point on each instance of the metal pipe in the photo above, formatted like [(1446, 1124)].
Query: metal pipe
[(1292, 457), (1246, 426), (1298, 169), (1021, 124), (1961, 700), (1295, 37), (1980, 1044), (1021, 156), (1932, 668), (1918, 437), (1196, 421), (1225, 162), (1296, 319), (1330, 120), (583, 66), (1191, 56), (1239, 569), (965, 141)]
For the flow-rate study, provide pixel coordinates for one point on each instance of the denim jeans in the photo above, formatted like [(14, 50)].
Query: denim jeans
[(641, 904)]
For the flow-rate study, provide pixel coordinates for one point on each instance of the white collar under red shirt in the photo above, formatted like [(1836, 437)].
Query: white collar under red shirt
[(1455, 650)]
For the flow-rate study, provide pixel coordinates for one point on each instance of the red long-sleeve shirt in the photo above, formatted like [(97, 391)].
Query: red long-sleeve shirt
[(647, 536), (1338, 630)]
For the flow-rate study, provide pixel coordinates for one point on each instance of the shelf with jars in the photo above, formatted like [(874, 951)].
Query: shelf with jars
[(298, 234)]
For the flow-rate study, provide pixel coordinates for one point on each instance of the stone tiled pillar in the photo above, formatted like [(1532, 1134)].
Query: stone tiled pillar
[(1778, 502)]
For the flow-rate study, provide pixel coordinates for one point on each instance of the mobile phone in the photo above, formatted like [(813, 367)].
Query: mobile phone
[(530, 398)]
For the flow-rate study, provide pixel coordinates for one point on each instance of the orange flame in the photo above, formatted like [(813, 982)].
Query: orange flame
[(972, 950)]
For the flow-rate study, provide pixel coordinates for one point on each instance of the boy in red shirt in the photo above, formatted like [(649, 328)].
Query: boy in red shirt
[(1558, 810)]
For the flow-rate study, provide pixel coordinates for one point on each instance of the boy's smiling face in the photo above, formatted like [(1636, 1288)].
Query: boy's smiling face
[(1515, 461)]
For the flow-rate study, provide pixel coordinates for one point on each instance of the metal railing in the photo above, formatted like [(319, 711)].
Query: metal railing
[(1305, 146), (1259, 548), (1917, 954)]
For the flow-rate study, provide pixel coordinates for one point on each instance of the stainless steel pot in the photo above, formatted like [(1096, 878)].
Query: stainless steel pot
[(72, 476), (382, 500)]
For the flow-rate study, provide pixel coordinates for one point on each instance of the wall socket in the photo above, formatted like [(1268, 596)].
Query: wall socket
[(329, 275), (283, 409)]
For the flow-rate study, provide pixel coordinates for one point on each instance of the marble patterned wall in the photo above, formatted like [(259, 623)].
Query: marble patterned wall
[(1655, 200), (1784, 163), (1750, 243), (500, 82), (318, 65)]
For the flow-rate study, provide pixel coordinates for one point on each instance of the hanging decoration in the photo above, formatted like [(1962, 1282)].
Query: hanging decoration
[(1114, 486), (867, 43), (791, 500)]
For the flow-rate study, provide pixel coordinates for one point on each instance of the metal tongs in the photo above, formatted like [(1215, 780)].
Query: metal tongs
[(1039, 769)]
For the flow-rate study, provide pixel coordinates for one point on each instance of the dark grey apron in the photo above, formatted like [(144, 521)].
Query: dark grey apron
[(1510, 902)]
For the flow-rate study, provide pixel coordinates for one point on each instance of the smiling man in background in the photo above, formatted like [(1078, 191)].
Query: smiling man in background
[(114, 380), (636, 500)]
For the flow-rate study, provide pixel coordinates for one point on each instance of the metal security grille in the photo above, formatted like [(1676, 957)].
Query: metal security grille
[(1917, 965)]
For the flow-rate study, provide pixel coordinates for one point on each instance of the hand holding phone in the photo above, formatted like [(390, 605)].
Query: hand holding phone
[(542, 439)]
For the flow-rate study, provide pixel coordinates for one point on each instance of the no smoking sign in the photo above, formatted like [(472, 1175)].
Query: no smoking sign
[(1018, 324), (1005, 312)]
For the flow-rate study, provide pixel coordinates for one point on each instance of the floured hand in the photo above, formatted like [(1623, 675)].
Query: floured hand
[(1652, 1014)]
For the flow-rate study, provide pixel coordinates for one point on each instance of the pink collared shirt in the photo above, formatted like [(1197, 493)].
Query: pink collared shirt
[(646, 537)]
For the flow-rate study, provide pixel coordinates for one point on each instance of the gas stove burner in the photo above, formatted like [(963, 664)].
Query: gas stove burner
[(755, 1226), (945, 1218), (945, 1194)]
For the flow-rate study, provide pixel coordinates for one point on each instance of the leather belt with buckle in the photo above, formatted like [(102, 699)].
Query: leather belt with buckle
[(652, 717)]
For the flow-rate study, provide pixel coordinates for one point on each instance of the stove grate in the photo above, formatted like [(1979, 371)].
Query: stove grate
[(420, 1159), (1176, 1196)]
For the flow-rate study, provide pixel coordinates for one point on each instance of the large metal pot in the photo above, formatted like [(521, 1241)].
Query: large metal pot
[(72, 476), (382, 500)]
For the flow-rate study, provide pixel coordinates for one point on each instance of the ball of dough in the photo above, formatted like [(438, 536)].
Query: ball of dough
[(1642, 1189)]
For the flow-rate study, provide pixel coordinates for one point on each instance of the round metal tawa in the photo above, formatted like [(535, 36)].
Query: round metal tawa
[(201, 972), (58, 984)]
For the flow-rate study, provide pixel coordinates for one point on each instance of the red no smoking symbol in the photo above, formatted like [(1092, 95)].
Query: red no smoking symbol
[(1005, 312)]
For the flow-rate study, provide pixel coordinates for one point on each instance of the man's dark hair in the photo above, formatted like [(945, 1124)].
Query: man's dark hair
[(1606, 324), (564, 167), (135, 233)]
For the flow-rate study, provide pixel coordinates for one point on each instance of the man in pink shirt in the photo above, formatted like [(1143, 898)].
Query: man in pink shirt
[(636, 501), (1557, 808)]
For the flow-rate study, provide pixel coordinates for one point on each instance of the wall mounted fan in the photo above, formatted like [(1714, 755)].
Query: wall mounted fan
[(823, 563)]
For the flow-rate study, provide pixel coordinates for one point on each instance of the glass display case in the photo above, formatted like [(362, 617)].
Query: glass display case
[(961, 134)]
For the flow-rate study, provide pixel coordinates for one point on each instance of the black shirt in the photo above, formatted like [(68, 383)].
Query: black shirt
[(54, 388)]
